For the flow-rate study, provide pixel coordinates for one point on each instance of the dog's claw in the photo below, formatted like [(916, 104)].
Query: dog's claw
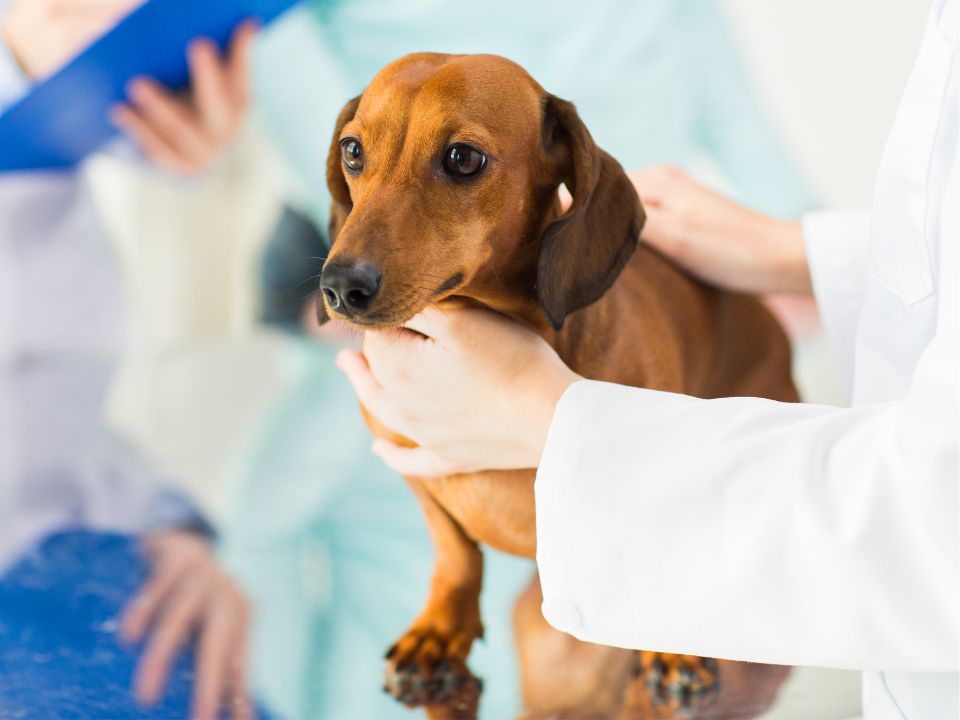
[(415, 677), (678, 680)]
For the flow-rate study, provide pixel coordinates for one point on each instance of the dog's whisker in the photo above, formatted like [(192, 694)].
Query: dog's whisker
[(312, 278)]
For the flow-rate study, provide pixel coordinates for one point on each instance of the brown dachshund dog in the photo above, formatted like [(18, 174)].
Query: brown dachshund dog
[(444, 176)]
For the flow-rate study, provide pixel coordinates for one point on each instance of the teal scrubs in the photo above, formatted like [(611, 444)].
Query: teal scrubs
[(656, 81)]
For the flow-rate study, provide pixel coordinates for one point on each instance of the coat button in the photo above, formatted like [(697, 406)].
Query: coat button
[(561, 614)]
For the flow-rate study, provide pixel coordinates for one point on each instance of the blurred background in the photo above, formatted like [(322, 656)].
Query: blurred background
[(785, 105)]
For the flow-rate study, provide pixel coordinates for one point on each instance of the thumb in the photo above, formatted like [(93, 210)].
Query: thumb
[(411, 461)]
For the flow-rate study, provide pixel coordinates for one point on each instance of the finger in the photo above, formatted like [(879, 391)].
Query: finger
[(141, 609), (238, 62), (240, 704), (369, 393), (224, 619), (434, 323), (166, 570), (150, 142), (172, 629), (170, 119), (391, 350), (566, 199), (209, 84), (412, 461)]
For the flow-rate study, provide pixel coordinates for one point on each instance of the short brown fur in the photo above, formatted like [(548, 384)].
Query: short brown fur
[(614, 311)]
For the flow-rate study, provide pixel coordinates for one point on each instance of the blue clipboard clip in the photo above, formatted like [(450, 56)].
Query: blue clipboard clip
[(66, 117)]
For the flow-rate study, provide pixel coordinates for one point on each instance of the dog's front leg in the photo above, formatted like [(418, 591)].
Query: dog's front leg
[(427, 665)]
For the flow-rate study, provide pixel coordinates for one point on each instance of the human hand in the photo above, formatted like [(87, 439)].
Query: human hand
[(185, 134), (44, 34), (186, 592), (332, 331), (474, 391), (718, 240)]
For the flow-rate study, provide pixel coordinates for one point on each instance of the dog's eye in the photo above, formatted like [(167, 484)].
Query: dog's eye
[(352, 152), (463, 161)]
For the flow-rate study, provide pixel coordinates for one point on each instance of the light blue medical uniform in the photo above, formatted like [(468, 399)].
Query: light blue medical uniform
[(333, 550), (655, 81)]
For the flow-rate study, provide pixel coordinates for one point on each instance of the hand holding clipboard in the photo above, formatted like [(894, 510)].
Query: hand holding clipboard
[(66, 117)]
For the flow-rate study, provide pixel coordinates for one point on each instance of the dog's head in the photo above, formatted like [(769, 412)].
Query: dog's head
[(444, 177)]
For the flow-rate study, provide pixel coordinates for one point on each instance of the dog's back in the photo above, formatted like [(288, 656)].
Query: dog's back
[(659, 328)]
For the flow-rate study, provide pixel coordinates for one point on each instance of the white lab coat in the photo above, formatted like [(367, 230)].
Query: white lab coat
[(62, 329), (798, 534)]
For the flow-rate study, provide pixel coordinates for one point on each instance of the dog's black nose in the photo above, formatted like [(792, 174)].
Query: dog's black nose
[(349, 288)]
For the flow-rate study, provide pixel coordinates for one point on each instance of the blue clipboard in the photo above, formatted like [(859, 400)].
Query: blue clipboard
[(66, 117)]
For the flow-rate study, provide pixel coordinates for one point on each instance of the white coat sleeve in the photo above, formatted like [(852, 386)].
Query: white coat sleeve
[(837, 244), (747, 529)]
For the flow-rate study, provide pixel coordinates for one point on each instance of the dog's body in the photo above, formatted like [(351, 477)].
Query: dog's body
[(499, 240), (687, 338)]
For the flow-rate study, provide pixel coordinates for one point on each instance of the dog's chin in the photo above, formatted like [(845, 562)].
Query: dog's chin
[(381, 320)]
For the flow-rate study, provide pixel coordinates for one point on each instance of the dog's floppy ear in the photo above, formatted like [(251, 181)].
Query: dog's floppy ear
[(336, 181), (583, 251)]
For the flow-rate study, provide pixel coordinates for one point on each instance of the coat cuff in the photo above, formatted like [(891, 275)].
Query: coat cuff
[(837, 245), (173, 510), (584, 565)]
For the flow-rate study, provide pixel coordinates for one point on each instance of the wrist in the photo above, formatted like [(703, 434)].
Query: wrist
[(790, 271), (551, 388), (778, 257)]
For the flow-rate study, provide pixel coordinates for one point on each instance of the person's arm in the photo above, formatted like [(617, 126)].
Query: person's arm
[(794, 534), (731, 246), (744, 529), (740, 527)]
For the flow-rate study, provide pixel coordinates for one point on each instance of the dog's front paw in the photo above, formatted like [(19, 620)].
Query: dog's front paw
[(428, 668), (679, 682)]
